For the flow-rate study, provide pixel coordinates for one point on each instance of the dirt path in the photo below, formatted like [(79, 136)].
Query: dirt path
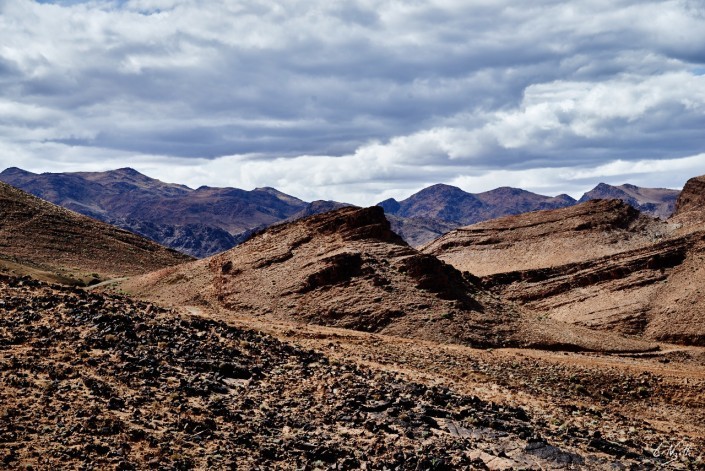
[(107, 282)]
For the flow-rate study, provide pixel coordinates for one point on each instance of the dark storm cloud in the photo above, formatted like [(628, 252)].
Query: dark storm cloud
[(352, 99)]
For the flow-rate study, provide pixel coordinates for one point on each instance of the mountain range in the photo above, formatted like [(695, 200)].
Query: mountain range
[(204, 221)]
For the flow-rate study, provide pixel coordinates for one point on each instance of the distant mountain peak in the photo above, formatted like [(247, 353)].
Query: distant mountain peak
[(15, 171), (656, 202), (453, 205), (442, 187), (390, 205), (127, 171)]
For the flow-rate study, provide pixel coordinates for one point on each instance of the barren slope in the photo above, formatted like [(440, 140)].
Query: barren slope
[(43, 236), (348, 269), (599, 264), (653, 292), (548, 238)]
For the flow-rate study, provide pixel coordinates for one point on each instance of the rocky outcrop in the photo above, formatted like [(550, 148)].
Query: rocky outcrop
[(640, 292), (348, 269), (690, 207), (600, 264)]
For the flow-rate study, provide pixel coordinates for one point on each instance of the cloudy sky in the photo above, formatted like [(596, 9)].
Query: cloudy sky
[(358, 100)]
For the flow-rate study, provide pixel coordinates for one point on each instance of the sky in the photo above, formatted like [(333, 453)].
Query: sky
[(358, 100)]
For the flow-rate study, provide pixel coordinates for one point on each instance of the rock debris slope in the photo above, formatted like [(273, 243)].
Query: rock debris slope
[(347, 269), (38, 234), (91, 381)]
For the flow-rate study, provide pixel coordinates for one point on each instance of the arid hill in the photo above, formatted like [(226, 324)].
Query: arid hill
[(656, 202), (549, 238), (653, 292), (689, 214), (42, 238), (347, 269)]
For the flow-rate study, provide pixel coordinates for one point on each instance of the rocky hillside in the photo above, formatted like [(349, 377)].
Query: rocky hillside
[(600, 264), (208, 220), (96, 381), (656, 202), (542, 239), (37, 235), (197, 222), (348, 269)]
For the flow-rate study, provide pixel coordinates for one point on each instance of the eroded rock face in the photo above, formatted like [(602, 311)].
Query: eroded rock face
[(348, 269), (599, 264)]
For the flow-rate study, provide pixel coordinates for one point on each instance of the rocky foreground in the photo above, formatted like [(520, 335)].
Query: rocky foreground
[(92, 381)]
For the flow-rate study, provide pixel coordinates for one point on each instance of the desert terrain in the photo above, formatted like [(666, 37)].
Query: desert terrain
[(330, 343)]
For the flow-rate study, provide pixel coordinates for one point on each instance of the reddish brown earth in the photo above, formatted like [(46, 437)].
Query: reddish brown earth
[(44, 239), (97, 381), (690, 207)]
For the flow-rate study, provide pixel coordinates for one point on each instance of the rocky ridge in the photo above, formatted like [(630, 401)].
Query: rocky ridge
[(198, 222), (453, 205), (540, 239), (348, 269), (208, 220), (600, 264), (690, 206)]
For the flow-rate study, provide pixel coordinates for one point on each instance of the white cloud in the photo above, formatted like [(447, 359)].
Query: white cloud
[(354, 100)]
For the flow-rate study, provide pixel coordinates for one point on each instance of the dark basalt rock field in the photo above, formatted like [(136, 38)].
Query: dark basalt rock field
[(93, 381)]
